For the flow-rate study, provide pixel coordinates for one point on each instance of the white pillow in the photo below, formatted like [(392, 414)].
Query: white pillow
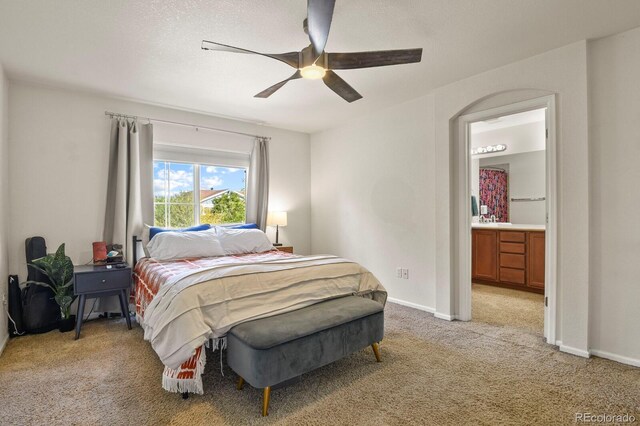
[(176, 245), (145, 238), (237, 241)]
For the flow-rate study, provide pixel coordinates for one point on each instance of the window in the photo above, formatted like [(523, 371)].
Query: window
[(220, 198)]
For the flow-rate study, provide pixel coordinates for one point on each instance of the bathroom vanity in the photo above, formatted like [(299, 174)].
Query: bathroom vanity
[(508, 256)]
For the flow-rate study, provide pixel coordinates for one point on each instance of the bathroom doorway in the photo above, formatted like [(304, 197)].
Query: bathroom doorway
[(509, 233), (508, 193)]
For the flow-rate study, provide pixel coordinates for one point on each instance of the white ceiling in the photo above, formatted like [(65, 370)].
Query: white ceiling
[(149, 50)]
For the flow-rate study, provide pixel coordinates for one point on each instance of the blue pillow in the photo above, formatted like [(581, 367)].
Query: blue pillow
[(156, 230), (242, 226)]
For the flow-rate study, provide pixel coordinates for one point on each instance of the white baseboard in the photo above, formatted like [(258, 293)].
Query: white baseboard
[(4, 343), (422, 308), (572, 351), (618, 358), (411, 305), (444, 316)]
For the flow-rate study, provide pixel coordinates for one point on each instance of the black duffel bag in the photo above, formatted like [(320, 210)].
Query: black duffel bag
[(40, 312)]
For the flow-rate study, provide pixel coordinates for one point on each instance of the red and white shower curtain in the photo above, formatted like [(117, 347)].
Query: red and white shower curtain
[(494, 193)]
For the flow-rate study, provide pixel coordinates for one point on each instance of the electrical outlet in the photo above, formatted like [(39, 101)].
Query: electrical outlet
[(398, 272), (4, 299), (405, 274)]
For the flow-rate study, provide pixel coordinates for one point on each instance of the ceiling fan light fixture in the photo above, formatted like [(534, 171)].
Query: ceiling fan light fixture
[(312, 72), (314, 63)]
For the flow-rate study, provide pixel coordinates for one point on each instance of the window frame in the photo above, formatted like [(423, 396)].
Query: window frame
[(196, 190)]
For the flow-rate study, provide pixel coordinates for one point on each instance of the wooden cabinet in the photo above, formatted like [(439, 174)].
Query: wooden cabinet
[(512, 259), (535, 268), (485, 255), (288, 249)]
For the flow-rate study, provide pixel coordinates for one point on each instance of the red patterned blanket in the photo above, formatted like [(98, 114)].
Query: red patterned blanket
[(148, 276)]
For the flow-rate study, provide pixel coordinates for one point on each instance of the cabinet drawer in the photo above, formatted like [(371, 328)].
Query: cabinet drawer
[(512, 248), (510, 275), (512, 236), (95, 282), (516, 261)]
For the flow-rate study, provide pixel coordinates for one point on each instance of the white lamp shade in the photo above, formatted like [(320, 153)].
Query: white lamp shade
[(277, 218)]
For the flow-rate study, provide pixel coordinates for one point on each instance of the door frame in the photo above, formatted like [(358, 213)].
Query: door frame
[(464, 201)]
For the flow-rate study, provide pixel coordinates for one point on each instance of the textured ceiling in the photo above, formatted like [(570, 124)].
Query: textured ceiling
[(150, 50)]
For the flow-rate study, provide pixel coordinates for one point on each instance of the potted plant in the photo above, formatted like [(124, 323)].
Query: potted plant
[(59, 268)]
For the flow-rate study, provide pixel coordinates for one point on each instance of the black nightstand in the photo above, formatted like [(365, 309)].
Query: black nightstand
[(97, 281)]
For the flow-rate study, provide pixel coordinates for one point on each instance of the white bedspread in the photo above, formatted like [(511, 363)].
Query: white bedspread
[(194, 306)]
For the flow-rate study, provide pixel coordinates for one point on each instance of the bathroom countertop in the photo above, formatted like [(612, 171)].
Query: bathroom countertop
[(508, 227)]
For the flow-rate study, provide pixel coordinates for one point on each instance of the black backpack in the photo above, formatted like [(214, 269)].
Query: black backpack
[(40, 312)]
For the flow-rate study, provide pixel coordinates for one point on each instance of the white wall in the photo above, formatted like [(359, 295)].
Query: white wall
[(563, 72), (407, 150), (373, 196), (521, 138), (4, 200), (526, 173), (614, 101), (382, 185), (59, 156)]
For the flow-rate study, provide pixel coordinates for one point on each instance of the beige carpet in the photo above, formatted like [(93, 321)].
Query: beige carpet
[(433, 372), (504, 307)]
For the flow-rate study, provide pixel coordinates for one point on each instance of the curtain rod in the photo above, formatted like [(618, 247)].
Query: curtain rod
[(157, 120)]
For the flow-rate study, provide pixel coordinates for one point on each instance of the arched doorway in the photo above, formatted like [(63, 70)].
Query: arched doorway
[(484, 110)]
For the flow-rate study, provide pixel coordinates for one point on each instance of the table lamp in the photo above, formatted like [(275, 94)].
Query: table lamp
[(277, 219)]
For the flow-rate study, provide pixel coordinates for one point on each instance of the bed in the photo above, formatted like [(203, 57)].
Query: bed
[(187, 304)]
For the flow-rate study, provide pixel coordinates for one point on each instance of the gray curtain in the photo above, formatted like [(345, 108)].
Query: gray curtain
[(130, 184), (258, 184)]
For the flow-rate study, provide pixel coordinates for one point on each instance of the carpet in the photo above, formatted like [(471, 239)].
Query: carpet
[(504, 307), (433, 372)]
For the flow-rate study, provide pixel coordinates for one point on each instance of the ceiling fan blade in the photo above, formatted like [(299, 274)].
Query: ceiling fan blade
[(341, 87), (271, 90), (381, 58), (289, 58), (319, 15)]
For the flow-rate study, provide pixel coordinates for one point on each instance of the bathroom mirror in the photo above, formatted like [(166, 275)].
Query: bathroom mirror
[(508, 162)]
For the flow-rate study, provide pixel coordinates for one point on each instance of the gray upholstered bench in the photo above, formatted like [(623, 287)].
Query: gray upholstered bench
[(269, 351)]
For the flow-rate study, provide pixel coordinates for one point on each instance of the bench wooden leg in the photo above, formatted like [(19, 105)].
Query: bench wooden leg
[(265, 401), (240, 383), (376, 352)]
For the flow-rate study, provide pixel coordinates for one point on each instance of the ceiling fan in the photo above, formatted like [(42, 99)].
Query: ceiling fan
[(314, 63)]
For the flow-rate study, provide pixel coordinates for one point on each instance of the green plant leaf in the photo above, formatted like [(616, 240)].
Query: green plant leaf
[(64, 300), (40, 283), (59, 268), (44, 264), (38, 268), (67, 270), (59, 255)]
